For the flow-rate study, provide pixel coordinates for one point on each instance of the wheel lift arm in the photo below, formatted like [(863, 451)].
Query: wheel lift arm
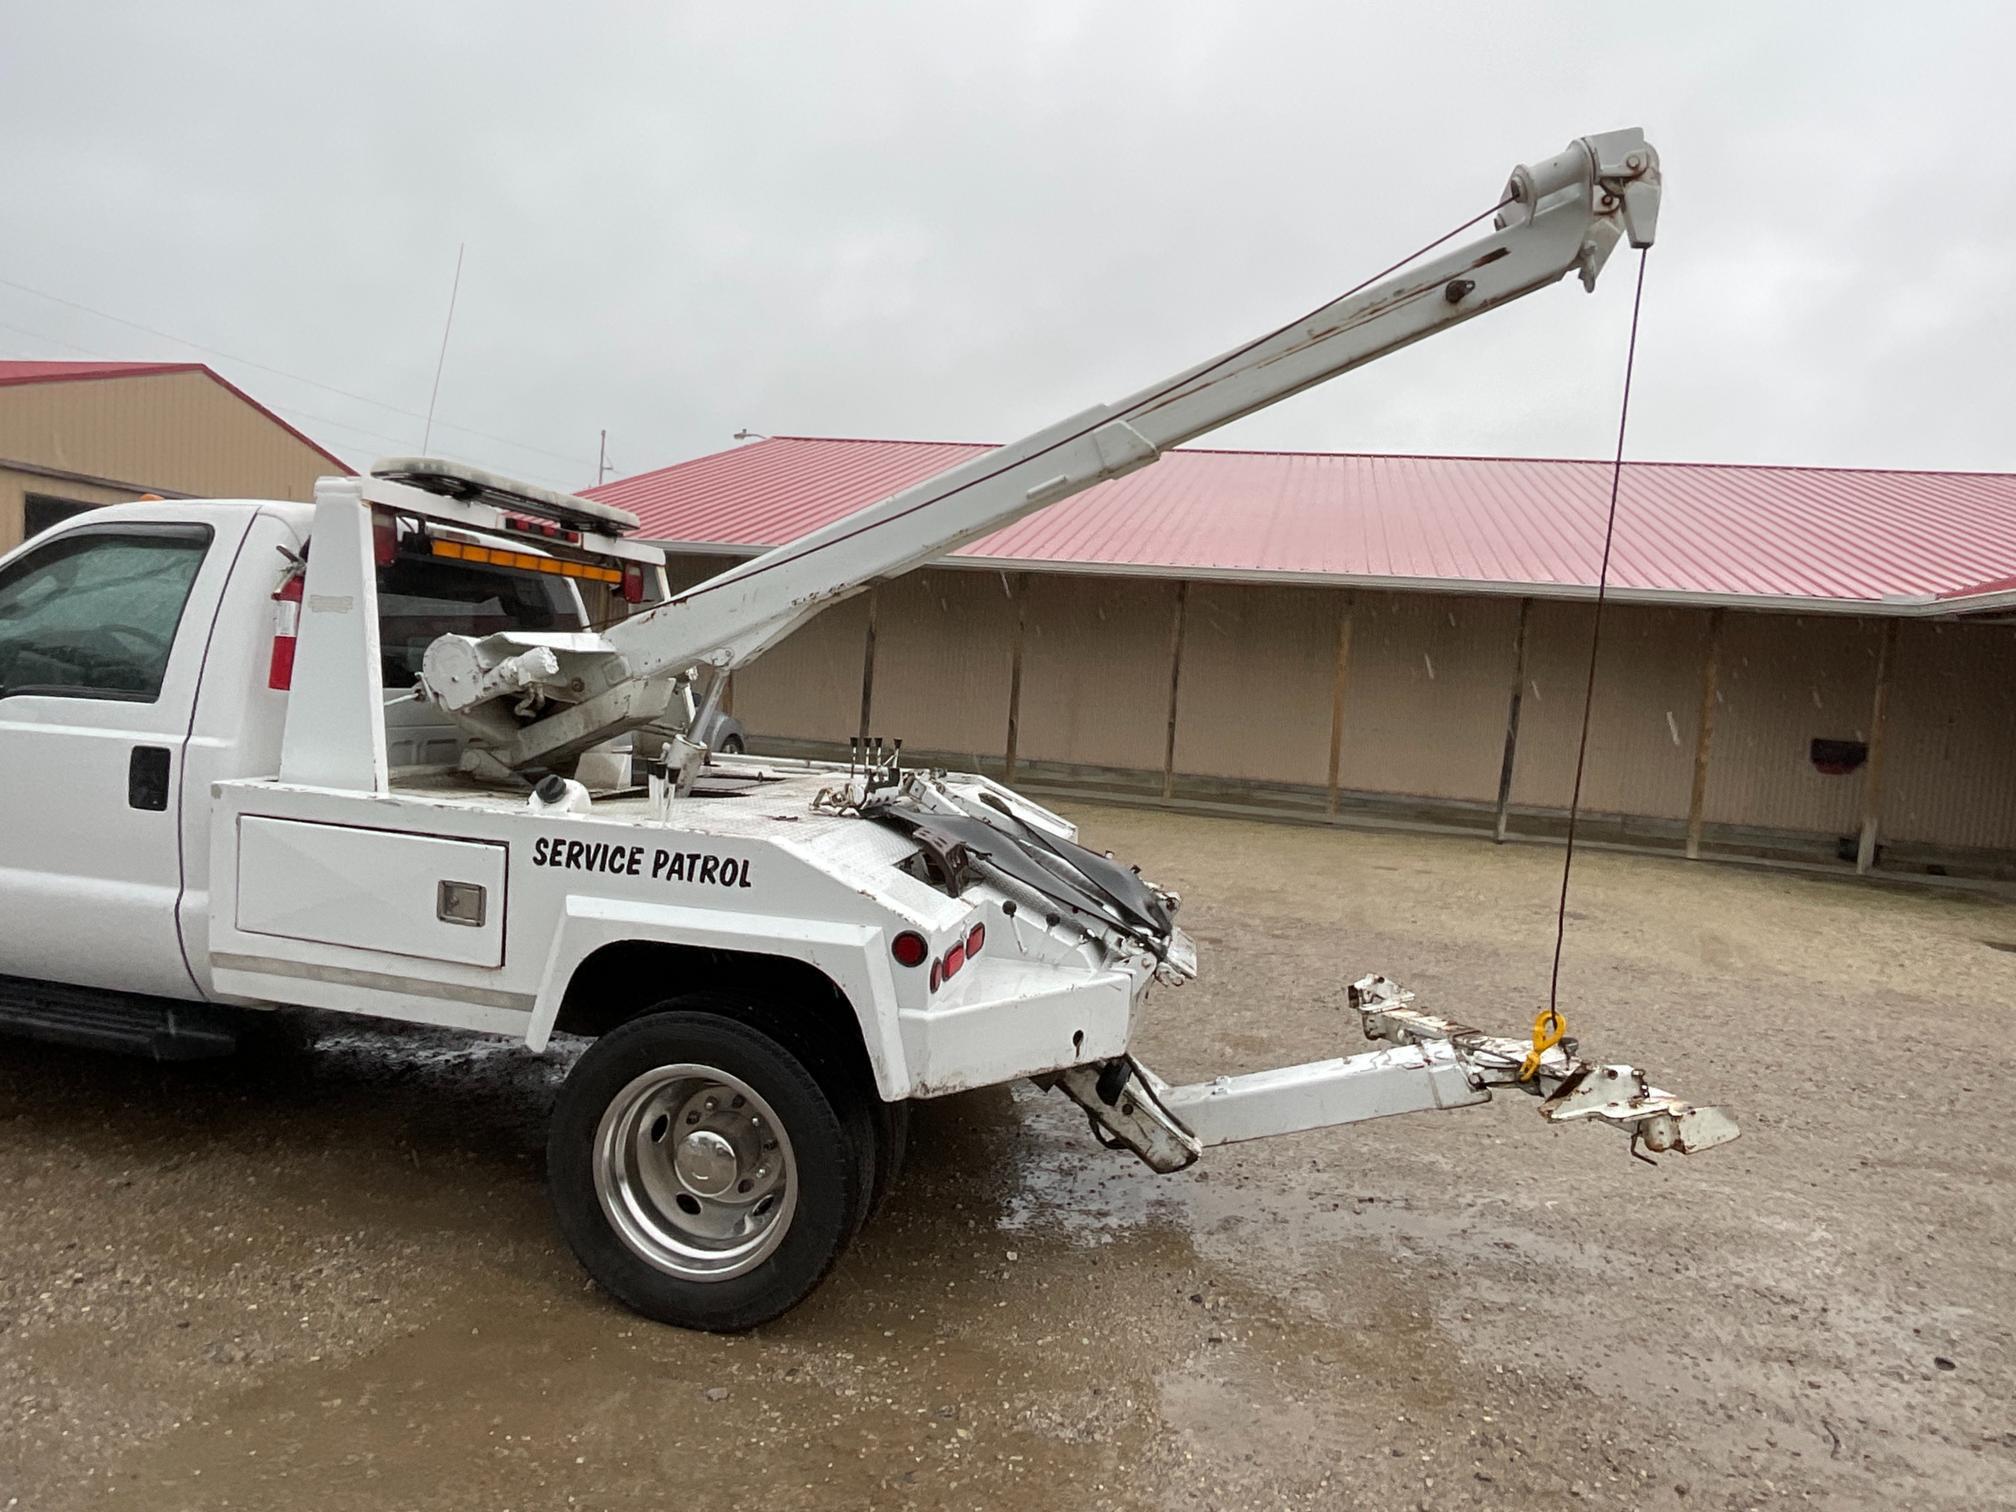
[(1431, 1063)]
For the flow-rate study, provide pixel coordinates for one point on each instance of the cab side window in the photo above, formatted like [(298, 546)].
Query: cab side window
[(93, 614)]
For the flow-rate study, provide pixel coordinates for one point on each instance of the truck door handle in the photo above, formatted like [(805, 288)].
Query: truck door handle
[(147, 778)]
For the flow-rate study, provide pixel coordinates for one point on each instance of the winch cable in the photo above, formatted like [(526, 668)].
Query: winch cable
[(760, 566), (1548, 1028)]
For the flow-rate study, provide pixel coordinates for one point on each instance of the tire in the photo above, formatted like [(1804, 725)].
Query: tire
[(732, 746), (701, 1230)]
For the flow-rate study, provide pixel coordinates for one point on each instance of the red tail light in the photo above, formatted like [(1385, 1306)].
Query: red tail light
[(937, 975), (954, 959), (526, 525), (633, 583), (286, 624), (909, 948), (384, 538), (975, 940)]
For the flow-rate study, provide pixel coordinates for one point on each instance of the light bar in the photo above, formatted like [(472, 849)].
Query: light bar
[(499, 556)]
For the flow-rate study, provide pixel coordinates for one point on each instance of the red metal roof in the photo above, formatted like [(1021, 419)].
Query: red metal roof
[(1887, 542), (58, 372), (12, 373)]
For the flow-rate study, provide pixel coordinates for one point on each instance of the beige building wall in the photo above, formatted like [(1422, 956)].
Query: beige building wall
[(1427, 690), (1426, 695), (1949, 742), (944, 641), (1644, 720), (808, 687), (684, 570), (1785, 680), (1258, 667), (1095, 671), (103, 440), (16, 486)]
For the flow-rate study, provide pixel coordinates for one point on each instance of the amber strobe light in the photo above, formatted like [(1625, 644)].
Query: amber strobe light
[(524, 561)]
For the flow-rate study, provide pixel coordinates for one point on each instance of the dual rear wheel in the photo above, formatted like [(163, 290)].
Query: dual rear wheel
[(709, 1172)]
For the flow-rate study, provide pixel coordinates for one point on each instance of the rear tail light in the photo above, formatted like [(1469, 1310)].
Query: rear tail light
[(552, 530), (633, 583), (286, 624), (947, 966), (384, 538), (909, 948)]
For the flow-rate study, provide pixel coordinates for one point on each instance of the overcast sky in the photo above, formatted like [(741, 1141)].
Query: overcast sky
[(960, 222)]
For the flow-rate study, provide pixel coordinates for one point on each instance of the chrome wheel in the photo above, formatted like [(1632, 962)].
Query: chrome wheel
[(694, 1171)]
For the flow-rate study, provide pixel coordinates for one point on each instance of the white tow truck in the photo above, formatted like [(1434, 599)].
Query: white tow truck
[(223, 789)]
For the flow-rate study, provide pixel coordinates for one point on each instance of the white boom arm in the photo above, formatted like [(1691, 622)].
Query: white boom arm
[(1560, 215)]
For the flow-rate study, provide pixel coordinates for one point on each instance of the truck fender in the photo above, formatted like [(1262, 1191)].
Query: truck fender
[(854, 957)]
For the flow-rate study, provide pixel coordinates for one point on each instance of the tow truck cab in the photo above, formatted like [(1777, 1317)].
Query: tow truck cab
[(146, 653)]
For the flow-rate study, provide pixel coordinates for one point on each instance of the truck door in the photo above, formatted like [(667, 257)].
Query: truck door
[(103, 629)]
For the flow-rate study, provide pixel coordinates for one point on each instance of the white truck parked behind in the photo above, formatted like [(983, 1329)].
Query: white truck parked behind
[(367, 756)]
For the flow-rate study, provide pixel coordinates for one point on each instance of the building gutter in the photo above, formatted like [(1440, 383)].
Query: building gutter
[(1901, 606), (59, 475)]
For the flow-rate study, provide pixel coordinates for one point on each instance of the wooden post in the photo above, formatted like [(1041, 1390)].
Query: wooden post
[(1175, 688), (1704, 735), (1872, 771), (868, 667), (1339, 680), (1512, 720), (1019, 591)]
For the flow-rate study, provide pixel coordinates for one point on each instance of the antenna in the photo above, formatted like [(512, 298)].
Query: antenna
[(602, 460), (441, 361)]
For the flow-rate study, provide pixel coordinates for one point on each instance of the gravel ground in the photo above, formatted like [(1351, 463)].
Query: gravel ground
[(324, 1275)]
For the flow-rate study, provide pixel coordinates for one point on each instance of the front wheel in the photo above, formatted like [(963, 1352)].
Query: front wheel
[(700, 1173)]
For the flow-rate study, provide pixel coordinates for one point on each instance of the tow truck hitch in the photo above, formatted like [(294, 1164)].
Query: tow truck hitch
[(1429, 1062)]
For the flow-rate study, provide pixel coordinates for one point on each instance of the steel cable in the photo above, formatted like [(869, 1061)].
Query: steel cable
[(1595, 644)]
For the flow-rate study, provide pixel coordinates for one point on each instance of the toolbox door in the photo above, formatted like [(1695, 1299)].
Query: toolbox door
[(423, 896)]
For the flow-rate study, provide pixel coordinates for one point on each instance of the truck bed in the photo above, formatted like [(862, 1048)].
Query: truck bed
[(449, 900), (735, 796)]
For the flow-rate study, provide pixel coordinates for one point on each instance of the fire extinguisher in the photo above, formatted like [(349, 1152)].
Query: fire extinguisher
[(286, 625)]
